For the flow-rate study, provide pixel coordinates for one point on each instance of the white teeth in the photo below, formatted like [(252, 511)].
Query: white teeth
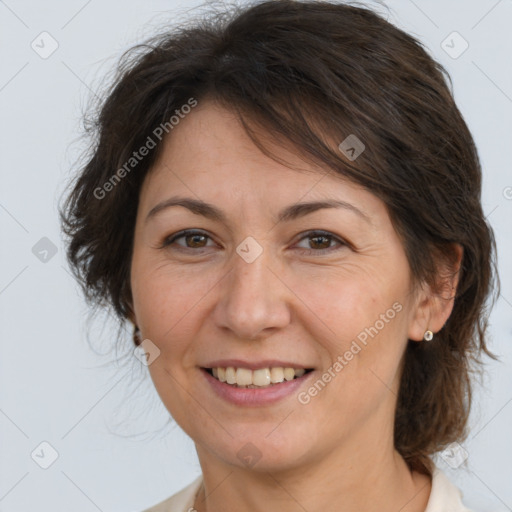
[(289, 373), (263, 377), (230, 375), (243, 376), (260, 377), (276, 375)]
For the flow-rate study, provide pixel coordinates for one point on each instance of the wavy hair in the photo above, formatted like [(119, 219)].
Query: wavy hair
[(311, 73)]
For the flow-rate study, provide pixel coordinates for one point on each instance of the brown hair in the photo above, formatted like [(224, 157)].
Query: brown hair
[(306, 71)]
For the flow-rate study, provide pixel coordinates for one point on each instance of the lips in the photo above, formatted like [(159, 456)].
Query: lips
[(253, 395)]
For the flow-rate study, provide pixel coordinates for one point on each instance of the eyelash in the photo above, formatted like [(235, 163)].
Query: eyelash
[(311, 234)]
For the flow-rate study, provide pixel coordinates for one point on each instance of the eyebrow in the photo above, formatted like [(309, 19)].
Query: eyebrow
[(289, 213)]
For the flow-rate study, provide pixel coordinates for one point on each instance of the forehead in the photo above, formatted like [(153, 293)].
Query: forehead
[(209, 155), (211, 143)]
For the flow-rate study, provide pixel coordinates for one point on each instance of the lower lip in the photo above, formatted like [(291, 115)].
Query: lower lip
[(253, 396)]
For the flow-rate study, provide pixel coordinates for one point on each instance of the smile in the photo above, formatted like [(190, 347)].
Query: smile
[(260, 378), (255, 387)]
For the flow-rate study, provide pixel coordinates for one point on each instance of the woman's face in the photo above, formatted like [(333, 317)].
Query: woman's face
[(269, 293)]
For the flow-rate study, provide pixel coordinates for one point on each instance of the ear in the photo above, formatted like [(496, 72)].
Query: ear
[(434, 304)]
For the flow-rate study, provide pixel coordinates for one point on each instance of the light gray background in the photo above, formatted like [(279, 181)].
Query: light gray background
[(53, 387)]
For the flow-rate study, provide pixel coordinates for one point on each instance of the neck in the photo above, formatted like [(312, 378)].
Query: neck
[(367, 482)]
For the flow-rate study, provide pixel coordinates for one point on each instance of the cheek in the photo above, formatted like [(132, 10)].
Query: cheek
[(167, 301), (345, 301), (360, 318), (167, 304)]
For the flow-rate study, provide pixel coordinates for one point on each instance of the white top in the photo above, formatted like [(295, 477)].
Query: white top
[(444, 497)]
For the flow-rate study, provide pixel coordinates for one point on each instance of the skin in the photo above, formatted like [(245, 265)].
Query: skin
[(205, 302)]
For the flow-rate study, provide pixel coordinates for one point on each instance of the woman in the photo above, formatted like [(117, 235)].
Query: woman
[(285, 202)]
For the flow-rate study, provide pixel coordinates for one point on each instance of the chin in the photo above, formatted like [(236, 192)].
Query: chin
[(260, 449)]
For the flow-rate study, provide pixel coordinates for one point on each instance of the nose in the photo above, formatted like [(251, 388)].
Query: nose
[(254, 301)]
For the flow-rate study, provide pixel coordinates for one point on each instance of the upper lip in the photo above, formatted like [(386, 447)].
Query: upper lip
[(254, 365)]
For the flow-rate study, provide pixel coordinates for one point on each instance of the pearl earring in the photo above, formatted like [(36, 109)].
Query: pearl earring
[(428, 335)]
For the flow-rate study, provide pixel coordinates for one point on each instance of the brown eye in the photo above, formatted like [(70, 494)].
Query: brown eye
[(320, 241), (193, 240)]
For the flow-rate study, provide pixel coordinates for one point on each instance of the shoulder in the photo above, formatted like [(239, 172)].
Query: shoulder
[(180, 501), (444, 495)]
